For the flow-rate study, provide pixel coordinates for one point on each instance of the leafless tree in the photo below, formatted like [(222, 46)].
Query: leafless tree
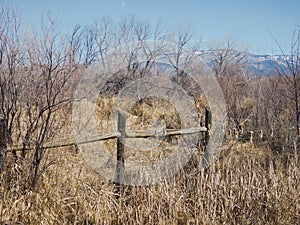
[(36, 82), (127, 42), (292, 78), (11, 59), (228, 65), (227, 59), (183, 52), (48, 89)]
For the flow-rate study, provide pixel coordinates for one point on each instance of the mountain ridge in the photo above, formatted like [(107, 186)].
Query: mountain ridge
[(254, 64)]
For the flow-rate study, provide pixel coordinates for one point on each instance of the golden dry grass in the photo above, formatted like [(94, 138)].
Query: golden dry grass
[(249, 185)]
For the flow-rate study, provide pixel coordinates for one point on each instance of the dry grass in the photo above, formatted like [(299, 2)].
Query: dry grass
[(249, 185), (243, 188)]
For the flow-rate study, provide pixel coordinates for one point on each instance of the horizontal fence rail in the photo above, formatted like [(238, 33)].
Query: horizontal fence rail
[(121, 134), (160, 133)]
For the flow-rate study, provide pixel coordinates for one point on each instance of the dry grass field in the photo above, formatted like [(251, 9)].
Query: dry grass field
[(250, 184)]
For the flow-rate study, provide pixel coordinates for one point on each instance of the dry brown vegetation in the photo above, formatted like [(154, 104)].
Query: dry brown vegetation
[(251, 183), (248, 186)]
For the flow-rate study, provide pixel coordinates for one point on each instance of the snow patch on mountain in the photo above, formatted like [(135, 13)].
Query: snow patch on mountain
[(255, 64)]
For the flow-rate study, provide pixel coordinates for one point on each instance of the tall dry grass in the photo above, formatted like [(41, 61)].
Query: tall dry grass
[(248, 186)]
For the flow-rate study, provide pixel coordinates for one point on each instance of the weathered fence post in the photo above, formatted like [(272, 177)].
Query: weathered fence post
[(3, 143), (120, 153), (208, 120), (207, 156)]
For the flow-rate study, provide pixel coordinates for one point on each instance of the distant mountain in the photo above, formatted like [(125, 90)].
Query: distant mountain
[(265, 64), (255, 64)]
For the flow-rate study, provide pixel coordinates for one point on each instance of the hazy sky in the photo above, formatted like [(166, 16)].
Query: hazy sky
[(248, 22)]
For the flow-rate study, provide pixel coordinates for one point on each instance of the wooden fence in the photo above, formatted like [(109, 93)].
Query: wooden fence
[(121, 134)]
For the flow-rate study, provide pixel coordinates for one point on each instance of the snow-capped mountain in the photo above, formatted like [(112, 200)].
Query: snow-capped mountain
[(266, 64), (254, 64)]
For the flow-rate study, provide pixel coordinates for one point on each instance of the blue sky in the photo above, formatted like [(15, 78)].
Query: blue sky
[(248, 22)]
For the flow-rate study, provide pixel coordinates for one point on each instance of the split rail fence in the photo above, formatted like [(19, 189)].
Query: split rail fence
[(120, 135)]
